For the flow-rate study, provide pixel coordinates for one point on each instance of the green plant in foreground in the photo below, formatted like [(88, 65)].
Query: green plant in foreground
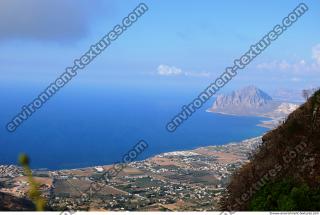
[(34, 193), (286, 196)]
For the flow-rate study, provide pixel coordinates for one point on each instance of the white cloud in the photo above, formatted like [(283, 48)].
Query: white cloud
[(166, 70), (300, 66), (316, 53)]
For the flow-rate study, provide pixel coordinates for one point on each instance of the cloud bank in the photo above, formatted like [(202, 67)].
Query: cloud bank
[(301, 66)]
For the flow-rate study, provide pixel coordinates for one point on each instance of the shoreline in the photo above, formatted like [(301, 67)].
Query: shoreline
[(206, 169), (270, 123), (156, 155), (110, 165)]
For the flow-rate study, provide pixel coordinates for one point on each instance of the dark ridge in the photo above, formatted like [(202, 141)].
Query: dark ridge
[(290, 152)]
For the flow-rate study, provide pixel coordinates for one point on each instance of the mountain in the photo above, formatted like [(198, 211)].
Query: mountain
[(247, 101), (284, 173), (250, 97), (252, 101)]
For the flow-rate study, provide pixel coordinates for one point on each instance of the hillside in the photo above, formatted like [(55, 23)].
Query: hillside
[(12, 203), (284, 174)]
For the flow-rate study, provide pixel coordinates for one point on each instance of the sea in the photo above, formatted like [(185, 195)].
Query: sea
[(90, 125)]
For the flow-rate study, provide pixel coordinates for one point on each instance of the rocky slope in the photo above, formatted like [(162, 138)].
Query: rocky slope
[(289, 153)]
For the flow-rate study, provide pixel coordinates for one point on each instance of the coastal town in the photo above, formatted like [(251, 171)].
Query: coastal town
[(191, 180)]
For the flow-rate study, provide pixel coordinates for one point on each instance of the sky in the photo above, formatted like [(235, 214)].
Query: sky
[(178, 43)]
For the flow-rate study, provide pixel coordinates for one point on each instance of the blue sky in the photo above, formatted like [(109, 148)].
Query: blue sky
[(194, 39)]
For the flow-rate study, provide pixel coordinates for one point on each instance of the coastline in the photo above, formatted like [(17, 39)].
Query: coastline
[(203, 170), (177, 153), (270, 124)]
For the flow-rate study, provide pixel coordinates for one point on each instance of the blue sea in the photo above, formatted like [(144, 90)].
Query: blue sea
[(91, 125)]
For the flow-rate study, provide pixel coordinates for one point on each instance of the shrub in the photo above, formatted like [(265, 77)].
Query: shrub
[(286, 196)]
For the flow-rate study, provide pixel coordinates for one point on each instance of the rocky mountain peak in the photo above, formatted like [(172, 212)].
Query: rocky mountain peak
[(249, 97)]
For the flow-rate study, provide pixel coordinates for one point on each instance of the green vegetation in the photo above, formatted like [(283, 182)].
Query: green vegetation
[(34, 192), (286, 196)]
